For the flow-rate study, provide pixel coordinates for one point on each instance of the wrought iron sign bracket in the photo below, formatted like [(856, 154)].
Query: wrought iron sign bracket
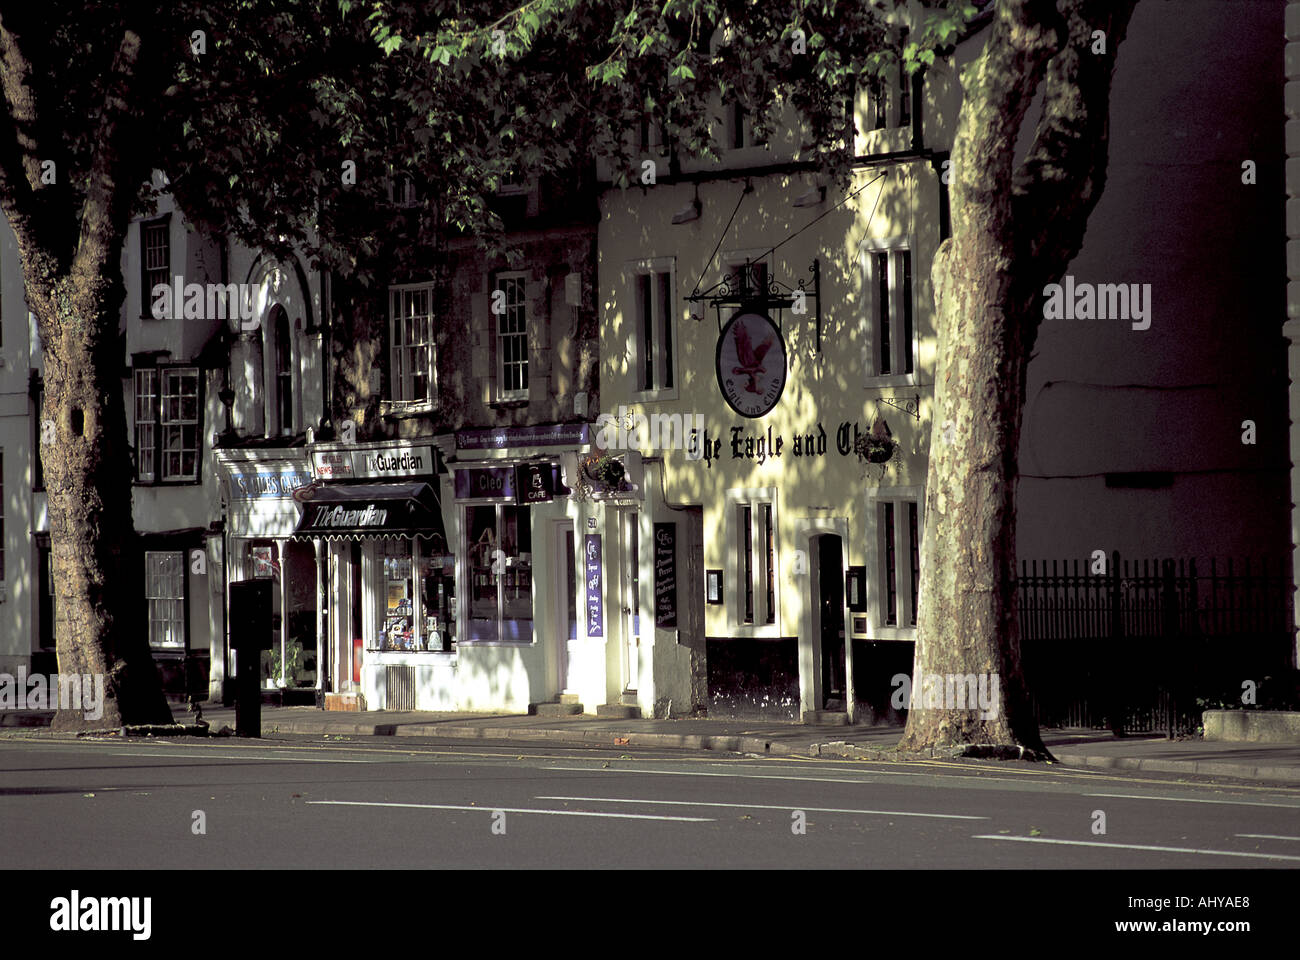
[(735, 290), (909, 405)]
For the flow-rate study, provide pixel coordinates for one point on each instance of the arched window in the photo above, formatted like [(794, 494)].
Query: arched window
[(283, 369)]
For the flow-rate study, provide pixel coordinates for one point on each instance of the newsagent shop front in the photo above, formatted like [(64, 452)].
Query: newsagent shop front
[(388, 573)]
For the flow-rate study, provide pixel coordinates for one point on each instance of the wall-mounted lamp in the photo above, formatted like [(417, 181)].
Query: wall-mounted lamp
[(689, 212), (811, 197)]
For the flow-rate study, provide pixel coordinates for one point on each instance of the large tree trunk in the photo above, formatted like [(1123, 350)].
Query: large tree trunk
[(74, 287), (1013, 231)]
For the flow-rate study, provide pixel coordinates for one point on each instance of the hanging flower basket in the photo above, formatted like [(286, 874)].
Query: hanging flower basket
[(878, 446), (604, 470)]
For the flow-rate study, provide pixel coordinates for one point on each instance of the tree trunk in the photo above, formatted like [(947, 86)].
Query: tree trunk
[(71, 252), (1013, 232)]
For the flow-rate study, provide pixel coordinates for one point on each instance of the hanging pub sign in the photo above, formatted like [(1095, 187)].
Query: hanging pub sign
[(751, 364), (534, 482)]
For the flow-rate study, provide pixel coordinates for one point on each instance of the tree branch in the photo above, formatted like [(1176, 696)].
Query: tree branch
[(20, 160), (112, 177), (1059, 183)]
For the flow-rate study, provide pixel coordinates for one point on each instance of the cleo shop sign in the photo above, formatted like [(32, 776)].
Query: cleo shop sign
[(751, 364), (591, 565)]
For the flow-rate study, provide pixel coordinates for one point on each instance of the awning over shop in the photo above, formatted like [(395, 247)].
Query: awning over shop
[(357, 511)]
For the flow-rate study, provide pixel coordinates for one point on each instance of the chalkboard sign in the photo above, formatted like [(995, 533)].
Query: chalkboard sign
[(665, 574)]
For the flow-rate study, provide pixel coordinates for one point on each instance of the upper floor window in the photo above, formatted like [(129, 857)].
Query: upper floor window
[(167, 437), (410, 320), (887, 285), (283, 368), (155, 258), (890, 100), (656, 339), (510, 315)]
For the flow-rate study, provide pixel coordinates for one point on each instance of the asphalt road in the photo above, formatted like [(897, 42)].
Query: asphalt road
[(304, 804)]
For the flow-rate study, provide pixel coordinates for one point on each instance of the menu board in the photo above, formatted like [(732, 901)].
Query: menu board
[(665, 575)]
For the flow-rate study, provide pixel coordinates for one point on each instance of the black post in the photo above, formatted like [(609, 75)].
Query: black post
[(1118, 666), (250, 634)]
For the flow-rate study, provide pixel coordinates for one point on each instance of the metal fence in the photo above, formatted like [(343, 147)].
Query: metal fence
[(1147, 644)]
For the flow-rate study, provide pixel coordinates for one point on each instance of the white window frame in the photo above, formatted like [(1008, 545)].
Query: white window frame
[(876, 556), (735, 260), (870, 312), (179, 423), (733, 584), (171, 598), (402, 355), (665, 318), (163, 226), (894, 85), (145, 452), (500, 336)]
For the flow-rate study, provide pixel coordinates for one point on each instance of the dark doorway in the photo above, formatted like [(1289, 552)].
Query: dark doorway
[(830, 608)]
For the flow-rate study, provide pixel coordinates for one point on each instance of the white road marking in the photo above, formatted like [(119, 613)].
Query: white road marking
[(1266, 836), (1140, 846), (770, 806), (491, 809), (226, 756), (1235, 803), (691, 773)]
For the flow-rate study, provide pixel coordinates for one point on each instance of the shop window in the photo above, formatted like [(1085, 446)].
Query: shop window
[(418, 595), (510, 314), (165, 597), (412, 377), (887, 283), (500, 555)]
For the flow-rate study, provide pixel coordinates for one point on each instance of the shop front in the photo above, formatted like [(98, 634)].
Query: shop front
[(261, 514), (375, 512), (518, 558)]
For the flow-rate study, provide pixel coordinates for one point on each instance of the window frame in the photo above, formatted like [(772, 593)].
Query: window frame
[(401, 386), (902, 305), (764, 568), (158, 449), (180, 602), (499, 336), (465, 629), (146, 285), (665, 339), (906, 576)]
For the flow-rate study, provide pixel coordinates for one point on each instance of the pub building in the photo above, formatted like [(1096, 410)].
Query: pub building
[(465, 572)]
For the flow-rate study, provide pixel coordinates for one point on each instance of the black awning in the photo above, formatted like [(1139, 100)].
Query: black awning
[(354, 511)]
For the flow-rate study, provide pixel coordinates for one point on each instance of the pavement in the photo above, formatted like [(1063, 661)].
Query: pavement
[(1076, 747)]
